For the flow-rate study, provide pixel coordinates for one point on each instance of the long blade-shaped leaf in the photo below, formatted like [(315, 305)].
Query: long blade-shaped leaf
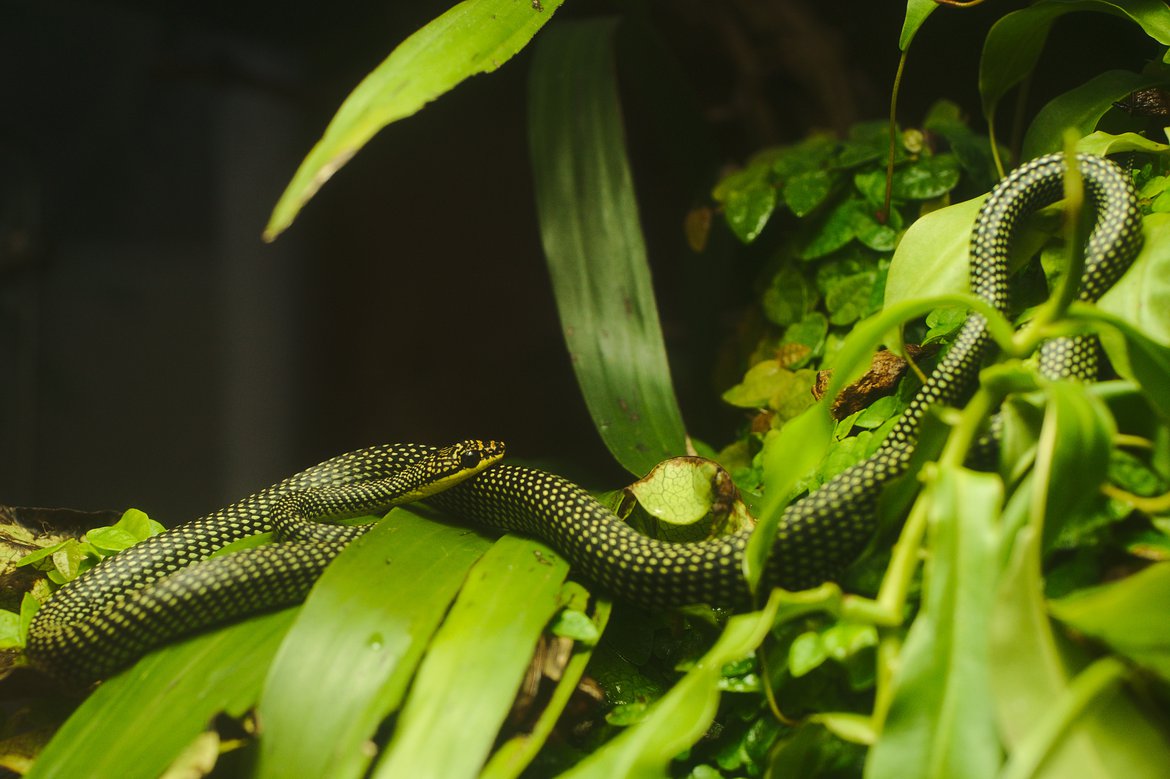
[(475, 36), (476, 661), (347, 661), (137, 723), (941, 720), (593, 241)]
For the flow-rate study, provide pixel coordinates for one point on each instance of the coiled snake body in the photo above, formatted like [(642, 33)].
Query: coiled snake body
[(166, 586)]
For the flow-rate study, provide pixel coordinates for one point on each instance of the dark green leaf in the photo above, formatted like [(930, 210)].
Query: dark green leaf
[(747, 210), (476, 36), (1014, 43), (1080, 109), (593, 243), (805, 191), (789, 298)]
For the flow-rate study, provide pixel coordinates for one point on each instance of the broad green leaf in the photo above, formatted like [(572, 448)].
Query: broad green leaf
[(350, 655), (1142, 295), (941, 720), (1014, 43), (1103, 144), (789, 297), (1031, 668), (476, 36), (932, 257), (1080, 109), (1134, 355), (475, 663), (1129, 615), (805, 191), (916, 13), (137, 723), (748, 209), (593, 242), (680, 717), (760, 383), (9, 629), (681, 490)]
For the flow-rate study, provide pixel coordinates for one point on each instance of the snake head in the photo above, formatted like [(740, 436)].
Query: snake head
[(468, 457)]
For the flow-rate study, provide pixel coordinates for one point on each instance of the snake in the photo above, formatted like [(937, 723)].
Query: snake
[(173, 584)]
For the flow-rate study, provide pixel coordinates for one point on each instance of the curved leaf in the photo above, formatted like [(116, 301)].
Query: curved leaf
[(1142, 295), (476, 36), (1014, 43), (1080, 108), (465, 685), (941, 720), (137, 723), (350, 655), (916, 13), (593, 242)]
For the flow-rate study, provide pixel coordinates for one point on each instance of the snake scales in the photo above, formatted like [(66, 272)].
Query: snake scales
[(167, 586)]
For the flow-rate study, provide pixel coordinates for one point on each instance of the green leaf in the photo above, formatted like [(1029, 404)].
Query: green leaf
[(476, 36), (838, 227), (135, 724), (1080, 109), (680, 717), (515, 754), (1133, 354), (1014, 43), (932, 257), (805, 191), (1031, 668), (466, 684), (762, 381), (1103, 144), (593, 242), (748, 210), (110, 539), (916, 13), (1072, 460), (789, 455), (1129, 615), (350, 655), (679, 491), (9, 629), (1142, 295), (789, 297), (940, 722)]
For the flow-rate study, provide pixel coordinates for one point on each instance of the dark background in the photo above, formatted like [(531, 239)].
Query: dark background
[(154, 352)]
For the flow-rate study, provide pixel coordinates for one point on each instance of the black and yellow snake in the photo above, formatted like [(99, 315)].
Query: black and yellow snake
[(166, 586)]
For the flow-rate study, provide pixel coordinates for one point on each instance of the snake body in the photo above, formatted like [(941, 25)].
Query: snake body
[(165, 587)]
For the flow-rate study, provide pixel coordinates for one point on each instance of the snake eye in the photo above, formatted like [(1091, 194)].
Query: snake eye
[(470, 458)]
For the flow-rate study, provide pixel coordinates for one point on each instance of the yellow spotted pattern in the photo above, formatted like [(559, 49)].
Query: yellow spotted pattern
[(165, 587)]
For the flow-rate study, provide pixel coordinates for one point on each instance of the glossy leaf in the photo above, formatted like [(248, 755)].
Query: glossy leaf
[(137, 723), (941, 723), (355, 646), (916, 13), (593, 242), (1080, 109), (475, 663), (1014, 43), (933, 259), (476, 36)]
